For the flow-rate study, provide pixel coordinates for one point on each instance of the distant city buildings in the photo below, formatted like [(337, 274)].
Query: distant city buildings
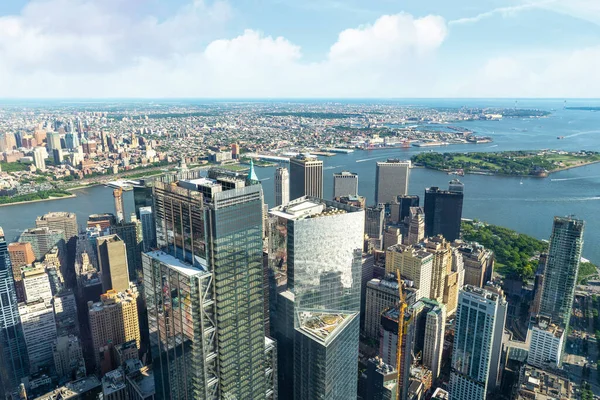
[(306, 177), (391, 180)]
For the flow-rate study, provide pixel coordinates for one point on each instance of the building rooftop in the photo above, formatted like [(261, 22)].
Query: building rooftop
[(322, 325), (541, 385), (72, 390), (143, 381), (440, 394), (176, 264), (544, 323), (415, 250), (113, 382), (484, 294), (311, 207)]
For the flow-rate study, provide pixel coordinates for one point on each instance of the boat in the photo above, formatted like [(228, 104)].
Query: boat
[(520, 183), (560, 137)]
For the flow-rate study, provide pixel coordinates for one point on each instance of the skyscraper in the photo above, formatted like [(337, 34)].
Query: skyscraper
[(306, 176), (400, 209), (374, 224), (39, 158), (380, 295), (142, 195), (443, 211), (131, 234), (320, 248), (21, 254), (148, 228), (414, 264), (53, 140), (391, 180), (282, 186), (212, 268), (112, 262), (345, 184), (43, 240), (71, 140), (39, 330), (113, 320), (562, 265), (478, 336), (416, 226), (64, 221), (14, 359), (119, 205), (37, 284)]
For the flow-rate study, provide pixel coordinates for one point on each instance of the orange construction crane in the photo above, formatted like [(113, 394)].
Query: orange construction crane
[(401, 311)]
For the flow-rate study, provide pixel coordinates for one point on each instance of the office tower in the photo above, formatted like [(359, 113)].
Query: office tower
[(58, 156), (21, 254), (442, 265), (142, 195), (538, 285), (39, 158), (480, 315), (39, 331), (546, 343), (68, 357), (560, 277), (119, 205), (65, 313), (235, 151), (148, 228), (63, 221), (306, 176), (71, 141), (416, 226), (391, 180), (443, 212), (14, 359), (103, 221), (400, 208), (282, 186), (140, 384), (388, 336), (356, 201), (454, 282), (113, 320), (380, 295), (114, 386), (345, 184), (391, 237), (43, 240), (112, 263), (53, 140), (131, 234), (217, 254), (433, 346), (374, 223), (36, 284), (320, 248), (478, 263), (381, 382), (414, 264)]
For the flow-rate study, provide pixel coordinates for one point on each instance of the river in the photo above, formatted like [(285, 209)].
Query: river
[(527, 207)]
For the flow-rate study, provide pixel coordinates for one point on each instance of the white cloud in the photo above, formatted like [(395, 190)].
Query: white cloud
[(503, 11)]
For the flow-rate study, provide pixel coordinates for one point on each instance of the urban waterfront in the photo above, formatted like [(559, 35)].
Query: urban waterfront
[(526, 207)]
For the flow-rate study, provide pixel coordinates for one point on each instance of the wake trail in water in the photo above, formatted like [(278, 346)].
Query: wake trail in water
[(370, 159), (489, 147), (334, 167), (581, 133), (265, 179), (573, 179)]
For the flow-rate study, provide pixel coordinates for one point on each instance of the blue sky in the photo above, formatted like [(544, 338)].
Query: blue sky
[(299, 48)]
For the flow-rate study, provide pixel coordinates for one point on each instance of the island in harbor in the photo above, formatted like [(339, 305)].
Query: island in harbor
[(537, 163)]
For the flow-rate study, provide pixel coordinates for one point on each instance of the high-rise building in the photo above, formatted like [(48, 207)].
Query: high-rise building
[(21, 254), (113, 320), (71, 141), (142, 195), (345, 184), (560, 277), (65, 313), (43, 240), (538, 285), (381, 381), (442, 265), (53, 140), (119, 205), (319, 322), (478, 335), (39, 330), (112, 263), (400, 209), (454, 282), (416, 226), (148, 228), (414, 264), (391, 180), (131, 234), (282, 186), (433, 345), (63, 221), (380, 295), (235, 151), (374, 225), (391, 237), (68, 357), (306, 176), (39, 158), (546, 344), (443, 211), (13, 359), (209, 273), (103, 221), (37, 284), (356, 201), (478, 263)]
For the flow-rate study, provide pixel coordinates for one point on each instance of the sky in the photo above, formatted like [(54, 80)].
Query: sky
[(299, 48)]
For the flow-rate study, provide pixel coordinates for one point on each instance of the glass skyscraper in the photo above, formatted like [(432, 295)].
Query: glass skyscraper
[(13, 359), (443, 211), (205, 289), (562, 265), (318, 245)]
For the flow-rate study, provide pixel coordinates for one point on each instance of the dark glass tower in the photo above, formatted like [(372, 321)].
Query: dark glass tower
[(13, 359), (443, 211), (211, 268)]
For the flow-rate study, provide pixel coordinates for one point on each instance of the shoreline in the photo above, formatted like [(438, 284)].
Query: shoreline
[(38, 200)]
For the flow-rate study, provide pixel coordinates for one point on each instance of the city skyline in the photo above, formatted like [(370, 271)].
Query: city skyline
[(525, 48)]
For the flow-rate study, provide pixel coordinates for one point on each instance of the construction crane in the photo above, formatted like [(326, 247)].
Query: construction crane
[(401, 311)]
